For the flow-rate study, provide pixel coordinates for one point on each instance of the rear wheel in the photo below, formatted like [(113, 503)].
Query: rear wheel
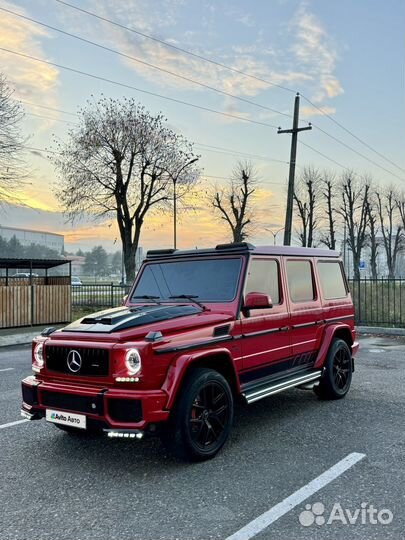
[(337, 376), (201, 420)]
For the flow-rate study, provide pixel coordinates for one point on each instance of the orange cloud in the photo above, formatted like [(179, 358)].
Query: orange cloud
[(32, 81)]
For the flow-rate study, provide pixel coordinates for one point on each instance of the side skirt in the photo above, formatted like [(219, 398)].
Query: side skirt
[(264, 389)]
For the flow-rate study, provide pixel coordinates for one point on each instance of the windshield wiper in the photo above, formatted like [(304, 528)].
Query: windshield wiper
[(154, 299), (191, 297)]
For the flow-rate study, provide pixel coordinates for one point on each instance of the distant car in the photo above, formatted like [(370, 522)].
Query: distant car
[(23, 275), (76, 281)]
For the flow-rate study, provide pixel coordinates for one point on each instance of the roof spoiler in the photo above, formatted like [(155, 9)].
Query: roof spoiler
[(237, 245), (160, 252)]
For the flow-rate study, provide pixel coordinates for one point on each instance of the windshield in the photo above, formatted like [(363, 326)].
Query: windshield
[(209, 280)]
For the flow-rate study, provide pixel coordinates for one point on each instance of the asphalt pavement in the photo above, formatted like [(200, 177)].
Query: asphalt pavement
[(55, 486)]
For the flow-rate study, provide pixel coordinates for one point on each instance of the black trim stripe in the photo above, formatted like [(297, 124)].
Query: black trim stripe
[(344, 317), (307, 324), (220, 339), (278, 368), (206, 343)]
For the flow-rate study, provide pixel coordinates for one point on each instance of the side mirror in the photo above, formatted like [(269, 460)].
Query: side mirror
[(124, 299), (255, 300)]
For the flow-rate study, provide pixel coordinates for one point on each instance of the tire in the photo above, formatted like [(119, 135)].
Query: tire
[(337, 375), (201, 420)]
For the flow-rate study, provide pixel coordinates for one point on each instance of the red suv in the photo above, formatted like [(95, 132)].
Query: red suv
[(199, 329)]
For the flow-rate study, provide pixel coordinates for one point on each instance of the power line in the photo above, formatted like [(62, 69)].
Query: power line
[(51, 118), (143, 62), (212, 148), (130, 87), (358, 153), (222, 150), (219, 64), (324, 113), (206, 147), (45, 107), (47, 151), (175, 47), (323, 155)]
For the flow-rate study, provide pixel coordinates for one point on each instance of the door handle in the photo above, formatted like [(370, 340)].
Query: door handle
[(284, 329)]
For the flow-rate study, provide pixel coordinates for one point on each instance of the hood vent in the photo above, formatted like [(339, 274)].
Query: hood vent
[(113, 320)]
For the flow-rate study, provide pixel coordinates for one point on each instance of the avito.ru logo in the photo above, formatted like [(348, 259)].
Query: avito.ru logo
[(315, 513)]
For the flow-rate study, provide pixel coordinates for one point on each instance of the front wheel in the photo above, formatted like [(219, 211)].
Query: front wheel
[(201, 420), (337, 376)]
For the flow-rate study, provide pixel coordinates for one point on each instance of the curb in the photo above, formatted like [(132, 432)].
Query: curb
[(380, 330), (26, 340)]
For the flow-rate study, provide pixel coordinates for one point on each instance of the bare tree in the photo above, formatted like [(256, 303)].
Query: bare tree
[(233, 203), (306, 199), (388, 214), (400, 202), (12, 166), (121, 161), (372, 239), (353, 209), (328, 187)]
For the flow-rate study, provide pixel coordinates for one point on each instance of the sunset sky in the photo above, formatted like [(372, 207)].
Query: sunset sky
[(347, 57)]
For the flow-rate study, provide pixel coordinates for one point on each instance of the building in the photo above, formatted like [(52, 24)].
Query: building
[(26, 237)]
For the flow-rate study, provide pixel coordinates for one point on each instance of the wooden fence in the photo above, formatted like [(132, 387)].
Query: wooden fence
[(26, 305)]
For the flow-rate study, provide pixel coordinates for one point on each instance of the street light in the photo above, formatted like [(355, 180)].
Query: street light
[(274, 233), (174, 179)]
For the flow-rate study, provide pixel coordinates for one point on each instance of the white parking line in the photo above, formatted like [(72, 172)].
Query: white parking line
[(10, 424), (262, 522), (7, 369)]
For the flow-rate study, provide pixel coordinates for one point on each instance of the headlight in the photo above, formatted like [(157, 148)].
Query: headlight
[(38, 354), (133, 361)]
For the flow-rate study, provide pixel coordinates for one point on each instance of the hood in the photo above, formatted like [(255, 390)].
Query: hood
[(122, 318)]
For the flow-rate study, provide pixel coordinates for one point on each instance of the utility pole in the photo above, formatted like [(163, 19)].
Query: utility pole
[(291, 178), (174, 180)]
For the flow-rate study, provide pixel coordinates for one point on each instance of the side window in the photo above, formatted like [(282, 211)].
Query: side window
[(332, 281), (300, 281), (263, 277)]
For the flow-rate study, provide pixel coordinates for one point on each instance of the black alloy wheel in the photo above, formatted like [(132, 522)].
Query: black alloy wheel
[(337, 372), (209, 415), (201, 420)]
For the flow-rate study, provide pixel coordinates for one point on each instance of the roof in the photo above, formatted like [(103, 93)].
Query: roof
[(243, 248), (30, 231), (26, 263)]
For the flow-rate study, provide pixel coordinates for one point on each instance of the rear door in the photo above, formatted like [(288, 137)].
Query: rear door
[(305, 309), (265, 332)]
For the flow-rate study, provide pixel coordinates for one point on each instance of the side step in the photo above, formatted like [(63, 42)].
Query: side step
[(268, 390)]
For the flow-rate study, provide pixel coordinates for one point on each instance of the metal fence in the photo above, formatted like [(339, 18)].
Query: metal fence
[(98, 295), (379, 302)]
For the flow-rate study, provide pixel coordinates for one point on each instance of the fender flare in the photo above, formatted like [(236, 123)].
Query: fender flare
[(180, 365), (327, 338)]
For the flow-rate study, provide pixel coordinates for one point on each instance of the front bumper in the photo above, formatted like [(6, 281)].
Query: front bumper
[(105, 408)]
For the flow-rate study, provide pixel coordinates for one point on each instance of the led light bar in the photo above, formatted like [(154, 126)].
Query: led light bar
[(126, 379), (124, 435)]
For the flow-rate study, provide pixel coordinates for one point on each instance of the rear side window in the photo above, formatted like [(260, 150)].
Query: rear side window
[(332, 281), (263, 278), (300, 282)]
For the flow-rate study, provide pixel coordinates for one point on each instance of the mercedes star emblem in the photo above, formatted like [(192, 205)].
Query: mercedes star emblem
[(74, 361)]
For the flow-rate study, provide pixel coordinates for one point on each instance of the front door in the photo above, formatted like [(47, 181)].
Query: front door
[(266, 347)]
